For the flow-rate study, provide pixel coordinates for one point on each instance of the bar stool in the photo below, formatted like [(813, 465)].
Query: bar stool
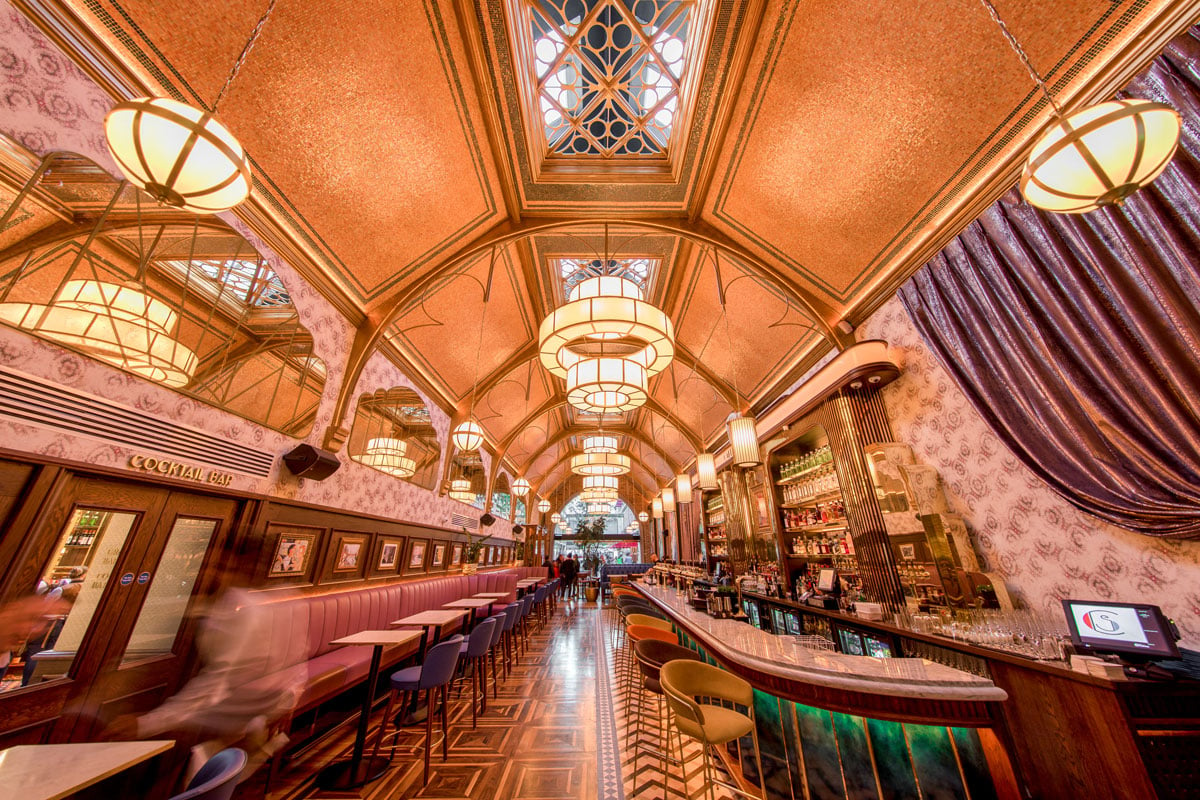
[(497, 641), (433, 675), (711, 725), (512, 613), (651, 654), (523, 623), (635, 634), (474, 648), (653, 622)]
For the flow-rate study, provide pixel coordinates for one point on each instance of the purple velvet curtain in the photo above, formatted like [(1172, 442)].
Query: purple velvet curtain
[(1077, 338)]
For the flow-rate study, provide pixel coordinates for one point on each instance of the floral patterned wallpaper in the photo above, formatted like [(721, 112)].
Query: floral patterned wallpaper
[(1044, 547), (49, 104)]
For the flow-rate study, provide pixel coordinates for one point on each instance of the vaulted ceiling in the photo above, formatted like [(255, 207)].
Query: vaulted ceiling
[(820, 153)]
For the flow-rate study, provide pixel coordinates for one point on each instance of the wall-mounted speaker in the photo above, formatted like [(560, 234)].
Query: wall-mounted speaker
[(487, 520), (311, 462), (517, 529)]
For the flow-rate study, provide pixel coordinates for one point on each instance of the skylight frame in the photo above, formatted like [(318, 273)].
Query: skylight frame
[(552, 167)]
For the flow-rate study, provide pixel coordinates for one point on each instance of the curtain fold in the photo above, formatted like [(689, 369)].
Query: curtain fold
[(1077, 338)]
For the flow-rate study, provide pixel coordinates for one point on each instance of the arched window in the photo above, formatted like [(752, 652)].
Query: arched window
[(94, 265), (393, 433), (502, 498)]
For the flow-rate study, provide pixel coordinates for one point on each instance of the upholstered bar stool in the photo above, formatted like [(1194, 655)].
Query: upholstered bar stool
[(475, 649), (635, 634), (711, 725), (434, 675), (512, 614), (496, 645), (651, 654)]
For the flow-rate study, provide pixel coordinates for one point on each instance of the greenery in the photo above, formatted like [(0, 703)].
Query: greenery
[(474, 545), (588, 535)]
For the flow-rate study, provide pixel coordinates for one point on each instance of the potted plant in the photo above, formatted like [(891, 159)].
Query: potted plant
[(471, 552)]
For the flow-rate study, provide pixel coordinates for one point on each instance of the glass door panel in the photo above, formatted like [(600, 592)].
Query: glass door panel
[(170, 590), (73, 584)]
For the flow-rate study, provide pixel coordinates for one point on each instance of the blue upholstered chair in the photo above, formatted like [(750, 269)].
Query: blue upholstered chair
[(217, 779), (434, 675), (474, 649)]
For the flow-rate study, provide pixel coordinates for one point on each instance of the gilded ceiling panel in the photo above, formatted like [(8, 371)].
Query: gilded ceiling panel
[(866, 122), (355, 114)]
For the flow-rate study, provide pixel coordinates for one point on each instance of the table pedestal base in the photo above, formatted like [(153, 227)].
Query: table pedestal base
[(343, 775)]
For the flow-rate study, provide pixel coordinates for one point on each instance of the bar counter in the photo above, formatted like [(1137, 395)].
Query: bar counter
[(836, 725)]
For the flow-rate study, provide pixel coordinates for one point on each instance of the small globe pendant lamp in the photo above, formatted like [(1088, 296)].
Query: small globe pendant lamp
[(543, 505), (467, 435), (520, 487), (1096, 156), (643, 517), (181, 155)]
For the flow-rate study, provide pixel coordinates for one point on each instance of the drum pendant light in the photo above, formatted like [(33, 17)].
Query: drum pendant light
[(600, 464), (388, 455), (460, 489), (683, 488), (1098, 155), (706, 471), (600, 443), (181, 155)]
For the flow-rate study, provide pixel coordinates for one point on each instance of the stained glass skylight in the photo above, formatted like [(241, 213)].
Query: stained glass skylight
[(609, 73), (637, 269), (251, 282)]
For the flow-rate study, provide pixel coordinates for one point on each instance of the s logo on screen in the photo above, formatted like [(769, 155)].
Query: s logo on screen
[(1102, 622)]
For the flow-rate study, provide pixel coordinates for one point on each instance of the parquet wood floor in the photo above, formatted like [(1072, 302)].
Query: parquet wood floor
[(559, 730)]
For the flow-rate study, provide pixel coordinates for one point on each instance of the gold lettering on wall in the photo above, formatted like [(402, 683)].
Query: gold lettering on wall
[(175, 469)]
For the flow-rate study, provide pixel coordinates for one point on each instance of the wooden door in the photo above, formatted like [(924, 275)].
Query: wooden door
[(93, 553)]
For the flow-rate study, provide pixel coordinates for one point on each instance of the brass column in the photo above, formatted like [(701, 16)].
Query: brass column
[(852, 421)]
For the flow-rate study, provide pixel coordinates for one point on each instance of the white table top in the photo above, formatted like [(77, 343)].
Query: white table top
[(470, 602), (379, 637), (53, 771), (780, 655), (430, 618), (529, 582), (493, 595)]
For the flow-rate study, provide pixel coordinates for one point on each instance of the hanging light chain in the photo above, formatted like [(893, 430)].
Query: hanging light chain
[(1020, 51), (237, 66)]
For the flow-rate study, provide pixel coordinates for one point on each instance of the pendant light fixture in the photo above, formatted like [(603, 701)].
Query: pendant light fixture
[(599, 443), (656, 508), (743, 435), (606, 482), (543, 505), (643, 517), (460, 489), (600, 464), (389, 455), (706, 472), (555, 517), (1096, 156), (181, 155), (606, 385), (683, 488), (743, 439), (668, 500), (520, 487), (468, 435)]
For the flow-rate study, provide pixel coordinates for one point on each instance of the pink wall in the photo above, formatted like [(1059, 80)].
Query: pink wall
[(1044, 547)]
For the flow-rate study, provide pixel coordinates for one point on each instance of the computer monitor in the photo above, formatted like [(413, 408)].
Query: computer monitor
[(827, 579), (1124, 629)]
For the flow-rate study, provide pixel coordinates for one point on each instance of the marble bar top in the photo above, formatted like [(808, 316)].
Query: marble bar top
[(740, 643)]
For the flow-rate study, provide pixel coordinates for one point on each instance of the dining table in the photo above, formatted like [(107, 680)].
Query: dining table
[(53, 771), (356, 771), (471, 604)]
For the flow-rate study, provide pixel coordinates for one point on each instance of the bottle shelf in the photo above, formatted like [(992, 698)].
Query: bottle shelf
[(809, 502), (799, 476), (822, 527)]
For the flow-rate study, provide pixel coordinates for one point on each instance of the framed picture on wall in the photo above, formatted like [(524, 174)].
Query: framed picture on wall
[(350, 553), (414, 559), (389, 555), (293, 551), (483, 554), (908, 552), (438, 559), (456, 552)]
